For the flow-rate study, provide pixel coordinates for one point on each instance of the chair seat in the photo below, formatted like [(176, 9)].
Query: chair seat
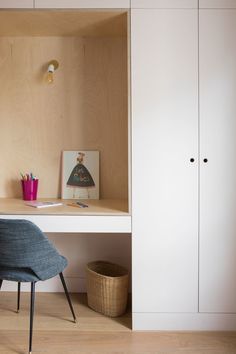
[(18, 274)]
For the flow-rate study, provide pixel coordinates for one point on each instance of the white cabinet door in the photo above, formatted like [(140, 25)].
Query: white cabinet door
[(164, 66), (16, 4), (164, 4), (80, 4), (218, 175), (217, 4)]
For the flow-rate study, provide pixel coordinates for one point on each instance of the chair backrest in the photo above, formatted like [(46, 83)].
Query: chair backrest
[(24, 245)]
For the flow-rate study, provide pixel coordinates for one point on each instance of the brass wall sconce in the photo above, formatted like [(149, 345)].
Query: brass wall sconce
[(52, 66)]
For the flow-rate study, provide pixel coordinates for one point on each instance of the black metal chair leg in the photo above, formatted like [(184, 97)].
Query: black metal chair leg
[(1, 281), (67, 296), (31, 315), (18, 297)]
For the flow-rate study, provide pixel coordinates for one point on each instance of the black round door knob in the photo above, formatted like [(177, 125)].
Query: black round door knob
[(205, 160), (192, 159)]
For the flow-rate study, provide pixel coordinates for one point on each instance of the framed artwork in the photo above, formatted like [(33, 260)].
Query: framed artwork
[(80, 175)]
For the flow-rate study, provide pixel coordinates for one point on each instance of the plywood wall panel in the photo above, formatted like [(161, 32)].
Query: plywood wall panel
[(85, 108), (63, 23), (105, 105)]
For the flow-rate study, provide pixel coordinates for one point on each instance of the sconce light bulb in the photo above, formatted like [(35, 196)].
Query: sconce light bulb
[(50, 77), (52, 66)]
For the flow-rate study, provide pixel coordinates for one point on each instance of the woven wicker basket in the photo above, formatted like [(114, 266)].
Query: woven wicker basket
[(107, 288)]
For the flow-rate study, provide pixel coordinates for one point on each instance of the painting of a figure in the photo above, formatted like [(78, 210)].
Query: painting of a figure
[(80, 175)]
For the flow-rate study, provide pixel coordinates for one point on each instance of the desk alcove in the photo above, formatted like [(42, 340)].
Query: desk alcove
[(85, 108)]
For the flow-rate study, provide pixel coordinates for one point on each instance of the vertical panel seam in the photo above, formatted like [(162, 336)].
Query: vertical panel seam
[(199, 153)]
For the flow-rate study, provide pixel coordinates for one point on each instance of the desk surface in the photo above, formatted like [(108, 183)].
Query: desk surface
[(95, 207), (109, 216)]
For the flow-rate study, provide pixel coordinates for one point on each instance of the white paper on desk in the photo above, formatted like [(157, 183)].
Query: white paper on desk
[(43, 204)]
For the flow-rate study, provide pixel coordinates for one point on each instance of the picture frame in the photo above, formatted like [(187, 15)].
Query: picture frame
[(80, 174)]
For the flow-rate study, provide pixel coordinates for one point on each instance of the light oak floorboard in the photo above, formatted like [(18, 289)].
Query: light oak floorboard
[(55, 333)]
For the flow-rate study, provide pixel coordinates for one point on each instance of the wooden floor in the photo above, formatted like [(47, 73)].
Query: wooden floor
[(94, 333)]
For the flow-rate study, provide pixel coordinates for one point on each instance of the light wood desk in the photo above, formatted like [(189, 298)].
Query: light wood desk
[(109, 216)]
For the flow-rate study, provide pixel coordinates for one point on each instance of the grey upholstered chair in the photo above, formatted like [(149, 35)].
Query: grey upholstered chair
[(26, 255)]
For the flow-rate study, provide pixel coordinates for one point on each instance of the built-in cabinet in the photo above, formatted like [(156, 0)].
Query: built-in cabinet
[(217, 238), (165, 139), (183, 165), (182, 89), (86, 107)]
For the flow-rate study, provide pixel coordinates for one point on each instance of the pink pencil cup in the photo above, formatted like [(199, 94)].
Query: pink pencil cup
[(29, 189)]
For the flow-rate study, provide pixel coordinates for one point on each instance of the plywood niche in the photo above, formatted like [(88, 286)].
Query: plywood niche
[(86, 107)]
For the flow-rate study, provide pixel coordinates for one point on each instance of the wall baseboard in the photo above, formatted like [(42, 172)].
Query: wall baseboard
[(184, 321)]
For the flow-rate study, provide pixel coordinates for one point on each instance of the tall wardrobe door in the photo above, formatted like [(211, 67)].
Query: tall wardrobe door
[(218, 172), (164, 160)]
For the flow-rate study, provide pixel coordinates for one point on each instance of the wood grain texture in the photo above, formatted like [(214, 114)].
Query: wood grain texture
[(95, 207), (85, 108), (63, 23), (94, 334)]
